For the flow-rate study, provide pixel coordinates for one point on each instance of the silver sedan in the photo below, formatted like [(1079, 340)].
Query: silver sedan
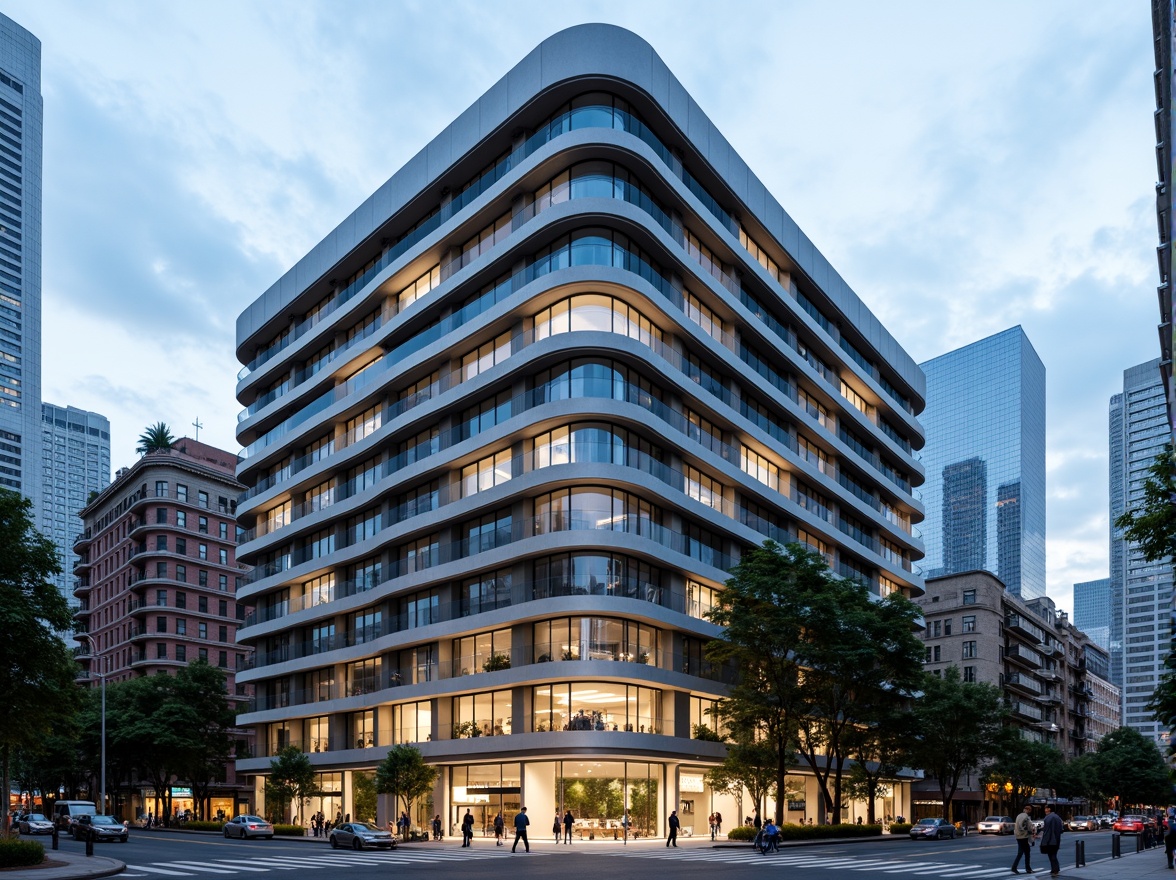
[(357, 835), (249, 826)]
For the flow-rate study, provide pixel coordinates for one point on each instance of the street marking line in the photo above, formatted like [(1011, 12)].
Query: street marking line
[(216, 869), (152, 870)]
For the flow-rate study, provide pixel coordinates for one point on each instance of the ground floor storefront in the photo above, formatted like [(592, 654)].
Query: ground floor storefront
[(600, 791)]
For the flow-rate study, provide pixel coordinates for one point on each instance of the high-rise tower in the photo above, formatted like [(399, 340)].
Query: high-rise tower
[(985, 462), (20, 260)]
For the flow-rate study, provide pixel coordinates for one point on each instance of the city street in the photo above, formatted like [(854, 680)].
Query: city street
[(167, 855)]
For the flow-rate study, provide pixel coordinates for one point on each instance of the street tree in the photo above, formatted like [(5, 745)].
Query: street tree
[(957, 727), (750, 765), (861, 656), (1023, 765), (405, 775), (200, 694), (1131, 768), (879, 749), (763, 611), (37, 671), (292, 779), (155, 438)]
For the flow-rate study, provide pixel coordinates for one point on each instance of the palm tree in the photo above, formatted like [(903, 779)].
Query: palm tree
[(156, 438)]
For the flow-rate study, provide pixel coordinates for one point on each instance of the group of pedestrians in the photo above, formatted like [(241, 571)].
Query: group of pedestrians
[(563, 825)]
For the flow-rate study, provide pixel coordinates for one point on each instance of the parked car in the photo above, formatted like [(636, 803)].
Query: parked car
[(996, 825), (66, 813), (1083, 823), (1105, 820), (34, 823), (932, 828), (1129, 824), (249, 826), (357, 835), (104, 828)]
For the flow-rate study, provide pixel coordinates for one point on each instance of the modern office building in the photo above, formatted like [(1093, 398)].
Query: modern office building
[(1055, 679), (1142, 591), (985, 461), (75, 463), (1092, 613), (1163, 27), (20, 261), (157, 581), (510, 424)]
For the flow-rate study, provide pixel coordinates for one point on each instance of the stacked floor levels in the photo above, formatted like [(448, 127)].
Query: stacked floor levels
[(508, 427)]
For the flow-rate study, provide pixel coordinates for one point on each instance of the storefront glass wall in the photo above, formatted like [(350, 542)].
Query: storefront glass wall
[(484, 790), (597, 706)]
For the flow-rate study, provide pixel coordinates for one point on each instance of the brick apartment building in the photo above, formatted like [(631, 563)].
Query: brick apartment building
[(156, 580)]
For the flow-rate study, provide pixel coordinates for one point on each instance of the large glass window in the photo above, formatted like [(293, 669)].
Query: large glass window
[(591, 507), (363, 677), (487, 714), (412, 722), (486, 592), (596, 311), (483, 652), (595, 638), (581, 706), (596, 574)]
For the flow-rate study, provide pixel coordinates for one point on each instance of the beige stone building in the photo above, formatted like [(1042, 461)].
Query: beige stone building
[(1055, 679)]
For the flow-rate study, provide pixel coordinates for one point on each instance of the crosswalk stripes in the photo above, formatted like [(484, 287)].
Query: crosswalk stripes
[(784, 859), (333, 860)]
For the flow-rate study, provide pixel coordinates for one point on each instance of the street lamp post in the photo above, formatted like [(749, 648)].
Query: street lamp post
[(102, 757)]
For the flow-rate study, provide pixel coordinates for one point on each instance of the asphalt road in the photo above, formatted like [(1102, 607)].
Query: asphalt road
[(167, 856)]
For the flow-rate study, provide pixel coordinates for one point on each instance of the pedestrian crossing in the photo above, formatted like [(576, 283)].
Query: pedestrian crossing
[(827, 861), (244, 867)]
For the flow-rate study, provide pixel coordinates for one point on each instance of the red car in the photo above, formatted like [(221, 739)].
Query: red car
[(1129, 824)]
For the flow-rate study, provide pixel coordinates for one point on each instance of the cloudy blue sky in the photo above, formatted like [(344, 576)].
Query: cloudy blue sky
[(967, 167)]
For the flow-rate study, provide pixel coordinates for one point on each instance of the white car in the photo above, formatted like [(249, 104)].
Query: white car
[(34, 823), (996, 825)]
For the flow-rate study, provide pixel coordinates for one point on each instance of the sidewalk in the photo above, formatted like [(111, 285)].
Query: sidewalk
[(1147, 865), (72, 866)]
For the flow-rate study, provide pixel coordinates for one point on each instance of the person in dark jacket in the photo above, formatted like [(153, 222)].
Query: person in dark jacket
[(1051, 839), (568, 821), (1170, 835), (467, 829), (499, 829), (521, 822), (672, 840)]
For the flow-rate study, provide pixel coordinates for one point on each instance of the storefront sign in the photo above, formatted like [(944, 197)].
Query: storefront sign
[(178, 791), (690, 783), (796, 805)]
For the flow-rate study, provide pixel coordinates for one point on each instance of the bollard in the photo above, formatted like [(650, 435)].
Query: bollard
[(55, 837), (89, 842), (1115, 851), (1139, 843), (1079, 853)]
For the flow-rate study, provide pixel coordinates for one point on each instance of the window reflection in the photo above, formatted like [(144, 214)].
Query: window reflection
[(599, 706)]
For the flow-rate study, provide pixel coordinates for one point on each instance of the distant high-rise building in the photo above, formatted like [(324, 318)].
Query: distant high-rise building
[(1092, 614), (75, 463), (1141, 627), (985, 462), (20, 260)]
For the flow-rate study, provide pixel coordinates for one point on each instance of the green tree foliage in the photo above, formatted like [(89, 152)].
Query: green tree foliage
[(37, 671), (363, 796), (816, 657), (594, 798), (957, 727), (748, 765), (292, 779), (405, 775), (1026, 765), (200, 689), (880, 749), (155, 438), (1131, 768)]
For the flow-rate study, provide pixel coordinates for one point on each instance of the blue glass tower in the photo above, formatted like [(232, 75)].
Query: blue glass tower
[(1092, 615), (985, 462)]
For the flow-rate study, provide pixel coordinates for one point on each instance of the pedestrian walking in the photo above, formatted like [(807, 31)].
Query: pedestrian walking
[(521, 822), (718, 822), (710, 820), (499, 829), (1025, 834), (437, 827), (672, 840), (467, 829), (568, 821), (1051, 839)]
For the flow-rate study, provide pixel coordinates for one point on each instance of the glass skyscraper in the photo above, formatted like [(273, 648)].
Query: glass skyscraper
[(20, 260), (75, 462), (985, 461), (1092, 614), (1141, 591)]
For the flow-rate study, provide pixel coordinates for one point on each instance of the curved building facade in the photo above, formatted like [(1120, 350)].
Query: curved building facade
[(507, 428)]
